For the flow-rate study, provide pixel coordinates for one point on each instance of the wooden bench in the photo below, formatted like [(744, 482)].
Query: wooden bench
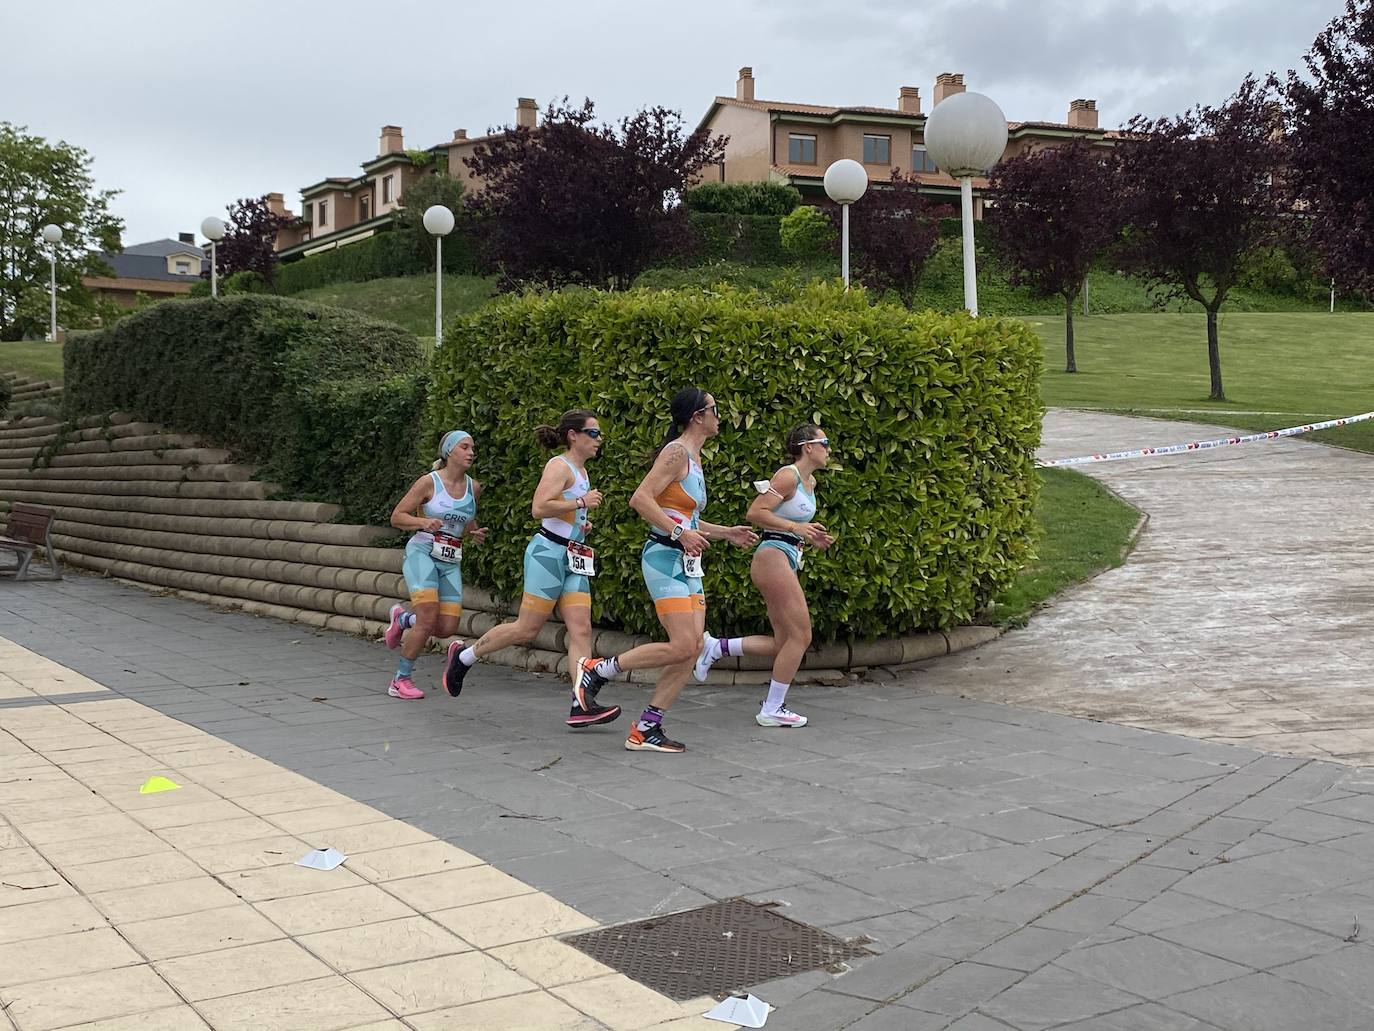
[(29, 530)]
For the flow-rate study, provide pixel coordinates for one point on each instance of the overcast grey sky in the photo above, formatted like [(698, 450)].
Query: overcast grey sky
[(188, 107)]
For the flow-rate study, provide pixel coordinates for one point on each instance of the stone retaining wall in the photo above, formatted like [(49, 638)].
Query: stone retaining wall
[(162, 510)]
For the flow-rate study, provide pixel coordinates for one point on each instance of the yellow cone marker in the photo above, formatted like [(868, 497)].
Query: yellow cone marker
[(155, 784)]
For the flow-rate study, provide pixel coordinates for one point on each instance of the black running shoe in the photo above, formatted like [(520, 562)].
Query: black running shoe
[(590, 717), (586, 683), (454, 670), (652, 740)]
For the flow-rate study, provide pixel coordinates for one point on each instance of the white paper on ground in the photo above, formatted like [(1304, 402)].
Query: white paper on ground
[(322, 859), (745, 1010)]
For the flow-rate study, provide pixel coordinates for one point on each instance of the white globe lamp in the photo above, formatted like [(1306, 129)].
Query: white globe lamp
[(845, 182), (439, 222), (213, 230), (52, 236)]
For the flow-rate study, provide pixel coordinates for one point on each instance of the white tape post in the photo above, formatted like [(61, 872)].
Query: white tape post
[(1203, 445)]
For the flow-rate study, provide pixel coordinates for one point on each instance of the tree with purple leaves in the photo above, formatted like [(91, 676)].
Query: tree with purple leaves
[(1331, 126), (1203, 195), (1056, 211), (250, 237), (892, 233), (572, 201)]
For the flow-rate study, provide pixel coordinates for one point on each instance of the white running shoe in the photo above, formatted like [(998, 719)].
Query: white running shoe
[(784, 717), (705, 660)]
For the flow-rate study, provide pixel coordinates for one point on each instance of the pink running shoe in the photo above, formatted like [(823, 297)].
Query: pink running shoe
[(395, 630), (404, 687)]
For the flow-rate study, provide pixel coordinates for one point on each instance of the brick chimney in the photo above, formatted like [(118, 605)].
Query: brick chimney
[(909, 100), (947, 84), (526, 112), (460, 134), (391, 142), (276, 204), (744, 85), (1083, 114)]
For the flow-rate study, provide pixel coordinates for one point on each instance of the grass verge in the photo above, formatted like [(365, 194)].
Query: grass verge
[(36, 359), (408, 300)]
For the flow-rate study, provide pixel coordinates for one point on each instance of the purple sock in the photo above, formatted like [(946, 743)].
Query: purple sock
[(650, 718)]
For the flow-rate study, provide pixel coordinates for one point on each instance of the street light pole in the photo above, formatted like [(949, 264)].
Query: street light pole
[(52, 235), (966, 135), (439, 223), (845, 182), (213, 230)]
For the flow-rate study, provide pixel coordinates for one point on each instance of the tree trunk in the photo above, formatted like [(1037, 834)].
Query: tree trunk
[(1070, 364), (1214, 355)]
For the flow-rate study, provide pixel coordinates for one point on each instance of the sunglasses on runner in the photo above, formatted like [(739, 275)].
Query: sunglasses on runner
[(595, 434), (713, 409), (823, 441)]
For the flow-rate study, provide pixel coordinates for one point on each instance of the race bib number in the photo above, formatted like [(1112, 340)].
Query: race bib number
[(446, 548), (691, 565), (581, 559)]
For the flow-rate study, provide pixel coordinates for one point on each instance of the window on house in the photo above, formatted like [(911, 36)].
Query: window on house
[(388, 189), (801, 150), (877, 149), (183, 268), (920, 160), (364, 208), (324, 212), (310, 214)]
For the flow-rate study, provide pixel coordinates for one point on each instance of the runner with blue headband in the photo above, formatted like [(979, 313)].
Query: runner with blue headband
[(441, 507)]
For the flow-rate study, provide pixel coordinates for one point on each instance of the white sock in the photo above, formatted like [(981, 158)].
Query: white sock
[(467, 656), (730, 646), (777, 694), (608, 667)]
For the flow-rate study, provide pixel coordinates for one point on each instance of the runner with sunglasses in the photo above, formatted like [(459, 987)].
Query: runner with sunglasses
[(558, 563), (670, 499), (441, 507), (784, 510)]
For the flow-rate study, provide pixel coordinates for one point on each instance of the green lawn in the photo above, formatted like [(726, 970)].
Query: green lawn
[(408, 301), (36, 359), (1278, 369), (1083, 529)]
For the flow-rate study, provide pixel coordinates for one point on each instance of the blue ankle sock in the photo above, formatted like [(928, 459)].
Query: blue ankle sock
[(407, 620), (405, 667)]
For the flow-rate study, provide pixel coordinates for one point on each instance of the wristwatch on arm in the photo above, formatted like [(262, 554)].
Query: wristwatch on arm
[(677, 532)]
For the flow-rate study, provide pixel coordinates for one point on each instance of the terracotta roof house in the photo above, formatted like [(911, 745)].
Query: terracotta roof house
[(785, 141), (158, 269)]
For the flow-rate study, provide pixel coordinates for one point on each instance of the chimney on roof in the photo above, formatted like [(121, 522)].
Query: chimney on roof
[(391, 142), (1083, 114), (947, 84), (909, 100), (526, 112), (186, 237), (744, 85), (460, 134), (276, 204)]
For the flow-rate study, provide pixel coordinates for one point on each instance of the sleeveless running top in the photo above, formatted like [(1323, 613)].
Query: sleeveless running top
[(569, 523), (455, 512), (685, 499), (801, 506)]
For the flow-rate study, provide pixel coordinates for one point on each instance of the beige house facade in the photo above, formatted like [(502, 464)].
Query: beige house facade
[(783, 141)]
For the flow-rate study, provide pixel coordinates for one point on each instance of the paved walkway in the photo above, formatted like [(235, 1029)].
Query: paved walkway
[(1243, 615), (1015, 868)]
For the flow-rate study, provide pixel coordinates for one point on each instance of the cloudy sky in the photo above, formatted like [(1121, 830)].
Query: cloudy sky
[(185, 108)]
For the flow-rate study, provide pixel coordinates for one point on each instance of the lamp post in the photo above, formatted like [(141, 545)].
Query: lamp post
[(439, 223), (845, 182), (213, 230), (965, 136), (52, 236)]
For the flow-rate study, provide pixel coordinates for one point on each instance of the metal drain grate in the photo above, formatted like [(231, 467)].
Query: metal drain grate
[(715, 950)]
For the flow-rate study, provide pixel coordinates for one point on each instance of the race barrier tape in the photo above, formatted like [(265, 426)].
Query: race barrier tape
[(1204, 445)]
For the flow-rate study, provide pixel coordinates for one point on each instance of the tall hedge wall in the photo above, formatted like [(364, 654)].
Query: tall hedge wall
[(387, 254), (326, 401), (935, 420), (751, 239)]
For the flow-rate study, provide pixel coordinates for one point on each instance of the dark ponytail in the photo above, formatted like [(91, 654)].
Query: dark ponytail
[(558, 436), (685, 404), (796, 437)]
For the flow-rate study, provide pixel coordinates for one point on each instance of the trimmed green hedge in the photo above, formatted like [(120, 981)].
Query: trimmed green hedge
[(749, 239), (383, 256), (743, 198), (935, 420), (324, 400)]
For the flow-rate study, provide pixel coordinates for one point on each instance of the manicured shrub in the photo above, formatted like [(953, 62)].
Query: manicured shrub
[(324, 400), (743, 198), (935, 420), (749, 239), (378, 257), (807, 233)]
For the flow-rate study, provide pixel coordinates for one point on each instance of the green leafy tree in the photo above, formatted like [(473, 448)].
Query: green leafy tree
[(807, 233), (424, 193), (42, 182)]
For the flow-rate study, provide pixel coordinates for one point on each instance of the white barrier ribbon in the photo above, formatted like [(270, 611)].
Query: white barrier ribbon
[(1203, 445)]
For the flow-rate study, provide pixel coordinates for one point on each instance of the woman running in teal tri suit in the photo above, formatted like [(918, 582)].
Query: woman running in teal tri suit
[(784, 510), (557, 561), (441, 507), (670, 499)]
